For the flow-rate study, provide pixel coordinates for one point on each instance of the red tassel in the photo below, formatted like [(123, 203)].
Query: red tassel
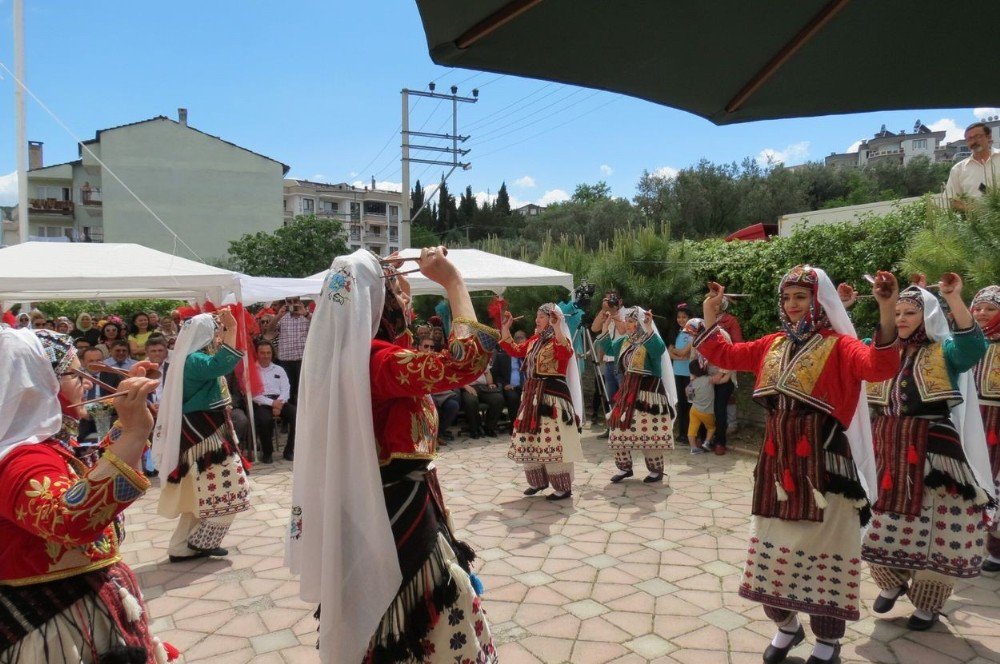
[(911, 455), (787, 482), (431, 609), (555, 412), (886, 481), (803, 448), (992, 439), (172, 652), (769, 448)]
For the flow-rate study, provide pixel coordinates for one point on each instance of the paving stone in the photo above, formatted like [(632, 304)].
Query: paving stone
[(650, 646)]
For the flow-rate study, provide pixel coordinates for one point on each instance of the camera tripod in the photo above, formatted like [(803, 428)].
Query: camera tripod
[(596, 359)]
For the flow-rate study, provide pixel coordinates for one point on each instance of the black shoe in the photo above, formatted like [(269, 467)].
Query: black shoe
[(774, 654), (918, 624), (475, 435), (884, 604), (530, 491), (620, 475), (653, 477), (288, 456), (490, 433), (606, 434), (990, 566), (447, 435), (203, 553), (559, 496), (442, 442), (267, 459), (155, 473), (835, 657)]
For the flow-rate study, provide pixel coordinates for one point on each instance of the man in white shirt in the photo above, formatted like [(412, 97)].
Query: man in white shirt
[(272, 403), (970, 177)]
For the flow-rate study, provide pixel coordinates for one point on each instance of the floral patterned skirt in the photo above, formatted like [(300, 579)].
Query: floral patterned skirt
[(557, 441), (647, 432), (808, 566)]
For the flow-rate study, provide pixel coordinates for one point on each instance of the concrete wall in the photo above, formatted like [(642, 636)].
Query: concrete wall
[(789, 223), (207, 191)]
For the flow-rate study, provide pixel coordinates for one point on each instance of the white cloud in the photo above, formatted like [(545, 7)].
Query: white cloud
[(379, 184), (853, 147), (353, 174), (983, 113), (796, 152), (665, 172), (606, 170), (952, 131), (526, 182), (319, 177), (553, 196), (8, 189)]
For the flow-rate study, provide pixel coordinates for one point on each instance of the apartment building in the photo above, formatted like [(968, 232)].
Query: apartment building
[(208, 190), (370, 216), (902, 147)]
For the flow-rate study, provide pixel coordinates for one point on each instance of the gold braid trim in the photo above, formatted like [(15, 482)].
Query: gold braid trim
[(138, 481), (477, 326)]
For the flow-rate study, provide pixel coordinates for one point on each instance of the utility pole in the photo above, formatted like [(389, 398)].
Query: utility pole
[(455, 152), (19, 121)]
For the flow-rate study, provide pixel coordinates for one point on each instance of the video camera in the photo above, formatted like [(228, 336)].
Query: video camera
[(583, 293)]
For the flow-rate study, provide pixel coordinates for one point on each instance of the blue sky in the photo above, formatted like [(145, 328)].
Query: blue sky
[(315, 84)]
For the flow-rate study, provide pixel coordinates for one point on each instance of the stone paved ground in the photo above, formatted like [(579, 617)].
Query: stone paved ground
[(624, 573)]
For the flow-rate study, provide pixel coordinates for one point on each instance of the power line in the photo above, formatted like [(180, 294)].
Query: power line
[(534, 122), (553, 128), (486, 118)]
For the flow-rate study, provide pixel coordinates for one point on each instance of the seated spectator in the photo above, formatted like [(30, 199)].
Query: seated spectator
[(238, 414), (81, 344), (273, 403), (63, 325), (88, 427), (506, 371), (154, 321), (482, 391), (119, 359), (139, 335), (447, 402), (111, 331), (85, 329), (168, 329), (38, 319), (23, 320)]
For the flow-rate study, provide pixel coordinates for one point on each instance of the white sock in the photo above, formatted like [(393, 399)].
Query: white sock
[(823, 650), (781, 639), (923, 615), (892, 593), (993, 559)]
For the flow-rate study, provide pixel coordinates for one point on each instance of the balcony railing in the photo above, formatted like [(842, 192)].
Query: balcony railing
[(375, 237), (50, 206), (91, 196)]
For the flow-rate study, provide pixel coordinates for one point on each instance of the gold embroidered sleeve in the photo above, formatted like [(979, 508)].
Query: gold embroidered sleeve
[(403, 372)]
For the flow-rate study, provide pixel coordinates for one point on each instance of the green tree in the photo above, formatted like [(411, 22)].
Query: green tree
[(416, 202), (502, 205), (592, 193), (305, 246)]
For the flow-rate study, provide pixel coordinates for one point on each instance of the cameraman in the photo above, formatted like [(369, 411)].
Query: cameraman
[(611, 306)]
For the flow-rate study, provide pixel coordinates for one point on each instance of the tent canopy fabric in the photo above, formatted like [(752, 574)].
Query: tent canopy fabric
[(38, 271), (268, 289), (730, 61), (482, 270)]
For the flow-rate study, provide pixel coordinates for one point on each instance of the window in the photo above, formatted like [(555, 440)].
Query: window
[(56, 193), (284, 203), (308, 205), (331, 207), (393, 213), (375, 207), (393, 249), (52, 231), (920, 145), (355, 210), (355, 247)]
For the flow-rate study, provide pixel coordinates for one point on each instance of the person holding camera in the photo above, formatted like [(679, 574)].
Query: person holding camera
[(293, 327), (970, 177), (611, 306), (546, 431)]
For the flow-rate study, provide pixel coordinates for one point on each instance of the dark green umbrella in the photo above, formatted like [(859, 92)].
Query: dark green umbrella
[(734, 60)]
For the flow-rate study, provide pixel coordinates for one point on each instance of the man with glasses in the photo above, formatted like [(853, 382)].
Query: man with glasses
[(970, 177)]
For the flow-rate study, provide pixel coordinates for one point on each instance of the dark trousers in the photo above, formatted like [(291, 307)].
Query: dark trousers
[(470, 407), (447, 408), (683, 408), (263, 418), (241, 425), (293, 368), (722, 393), (512, 399)]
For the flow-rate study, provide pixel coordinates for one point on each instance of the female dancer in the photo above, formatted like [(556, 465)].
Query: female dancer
[(933, 468), (642, 413), (986, 311), (546, 431), (65, 594), (369, 531), (194, 439), (816, 463)]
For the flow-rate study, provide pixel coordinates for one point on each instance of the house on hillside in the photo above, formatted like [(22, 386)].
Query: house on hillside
[(529, 210), (208, 190), (902, 147)]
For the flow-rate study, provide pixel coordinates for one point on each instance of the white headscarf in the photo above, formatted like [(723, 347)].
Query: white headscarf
[(965, 415), (340, 538), (196, 333), (859, 431), (666, 365), (29, 404)]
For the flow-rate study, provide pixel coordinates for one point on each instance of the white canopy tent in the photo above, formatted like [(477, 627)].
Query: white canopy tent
[(482, 270), (268, 289), (39, 271)]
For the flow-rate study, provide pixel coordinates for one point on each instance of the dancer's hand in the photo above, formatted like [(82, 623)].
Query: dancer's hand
[(848, 296), (712, 306), (918, 279), (434, 265), (885, 289), (950, 284)]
